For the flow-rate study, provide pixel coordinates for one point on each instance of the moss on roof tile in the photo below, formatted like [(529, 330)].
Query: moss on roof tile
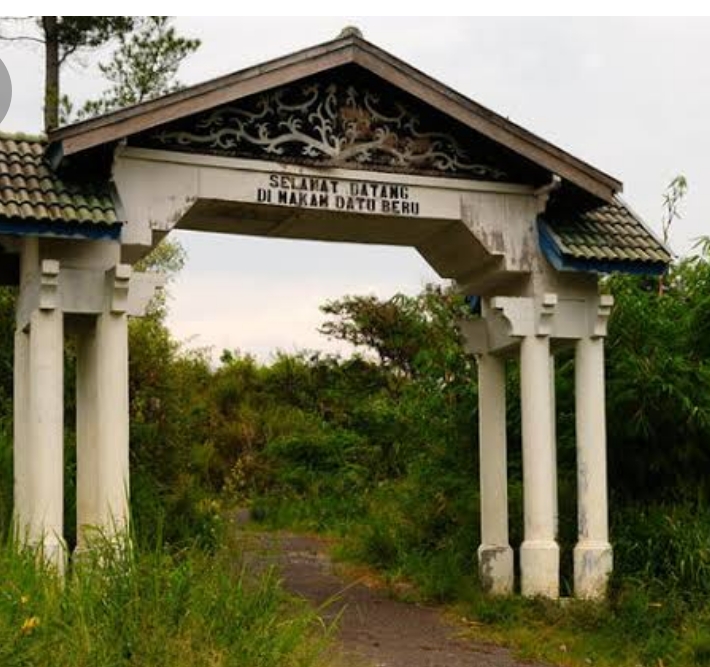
[(30, 191), (609, 233)]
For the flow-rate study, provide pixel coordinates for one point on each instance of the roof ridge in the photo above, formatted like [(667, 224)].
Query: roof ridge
[(23, 136)]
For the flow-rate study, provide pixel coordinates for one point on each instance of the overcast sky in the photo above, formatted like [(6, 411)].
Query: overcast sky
[(630, 96)]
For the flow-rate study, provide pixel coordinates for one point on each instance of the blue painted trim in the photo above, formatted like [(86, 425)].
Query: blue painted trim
[(54, 154), (87, 230), (474, 304), (562, 262)]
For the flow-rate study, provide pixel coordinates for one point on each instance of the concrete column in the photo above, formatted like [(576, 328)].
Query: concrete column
[(102, 430), (87, 511), (102, 417), (21, 443), (553, 424), (539, 553), (44, 463), (495, 557), (593, 557), (113, 428)]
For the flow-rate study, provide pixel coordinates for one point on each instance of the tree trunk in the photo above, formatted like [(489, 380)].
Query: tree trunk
[(51, 72)]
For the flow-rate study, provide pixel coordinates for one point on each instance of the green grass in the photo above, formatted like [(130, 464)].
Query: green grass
[(151, 608), (657, 614)]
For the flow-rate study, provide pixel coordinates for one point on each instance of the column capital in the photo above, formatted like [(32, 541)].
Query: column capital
[(601, 317), (48, 285), (117, 285), (526, 316)]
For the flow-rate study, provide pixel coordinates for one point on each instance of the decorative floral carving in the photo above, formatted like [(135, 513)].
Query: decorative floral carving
[(328, 123)]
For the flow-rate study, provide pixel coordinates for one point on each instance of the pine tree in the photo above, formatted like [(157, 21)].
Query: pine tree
[(144, 64)]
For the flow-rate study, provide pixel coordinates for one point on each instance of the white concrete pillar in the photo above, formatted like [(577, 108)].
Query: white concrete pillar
[(87, 514), (539, 553), (44, 464), (593, 559), (553, 424), (495, 557), (102, 418), (102, 430), (112, 428), (21, 459)]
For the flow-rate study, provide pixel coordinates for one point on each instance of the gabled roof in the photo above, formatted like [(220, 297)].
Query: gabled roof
[(601, 235), (34, 198), (348, 49)]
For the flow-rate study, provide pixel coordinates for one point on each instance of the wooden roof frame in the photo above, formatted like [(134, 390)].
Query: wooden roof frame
[(345, 50)]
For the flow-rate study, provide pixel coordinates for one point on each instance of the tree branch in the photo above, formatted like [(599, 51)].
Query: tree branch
[(66, 52), (19, 38)]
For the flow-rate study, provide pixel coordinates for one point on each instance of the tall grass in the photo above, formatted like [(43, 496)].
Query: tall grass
[(121, 607), (425, 531), (6, 472)]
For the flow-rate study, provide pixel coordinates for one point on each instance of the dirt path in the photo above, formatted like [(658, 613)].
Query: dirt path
[(374, 630)]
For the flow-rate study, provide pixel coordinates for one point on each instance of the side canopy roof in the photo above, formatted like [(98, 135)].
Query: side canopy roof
[(344, 103)]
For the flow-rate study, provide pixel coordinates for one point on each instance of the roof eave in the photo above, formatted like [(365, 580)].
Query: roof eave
[(61, 229), (564, 262), (253, 80)]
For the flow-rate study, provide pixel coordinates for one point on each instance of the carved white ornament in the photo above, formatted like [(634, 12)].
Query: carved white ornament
[(332, 124)]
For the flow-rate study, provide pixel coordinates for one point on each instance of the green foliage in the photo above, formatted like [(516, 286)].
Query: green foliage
[(168, 425), (6, 475), (151, 607), (167, 259), (672, 198), (147, 54), (64, 37), (7, 328), (417, 504), (143, 66), (89, 32), (664, 546), (659, 384)]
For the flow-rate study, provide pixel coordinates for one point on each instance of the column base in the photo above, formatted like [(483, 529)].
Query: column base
[(593, 563), (52, 551), (540, 568), (495, 569)]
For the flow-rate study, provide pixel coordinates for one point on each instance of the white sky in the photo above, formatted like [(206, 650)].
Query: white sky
[(629, 95)]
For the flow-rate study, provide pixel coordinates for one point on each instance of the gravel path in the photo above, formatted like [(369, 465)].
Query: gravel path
[(373, 629)]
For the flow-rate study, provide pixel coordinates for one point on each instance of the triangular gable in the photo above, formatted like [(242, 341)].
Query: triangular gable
[(345, 118), (349, 50)]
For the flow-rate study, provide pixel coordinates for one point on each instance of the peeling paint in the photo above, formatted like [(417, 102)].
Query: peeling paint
[(495, 569)]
